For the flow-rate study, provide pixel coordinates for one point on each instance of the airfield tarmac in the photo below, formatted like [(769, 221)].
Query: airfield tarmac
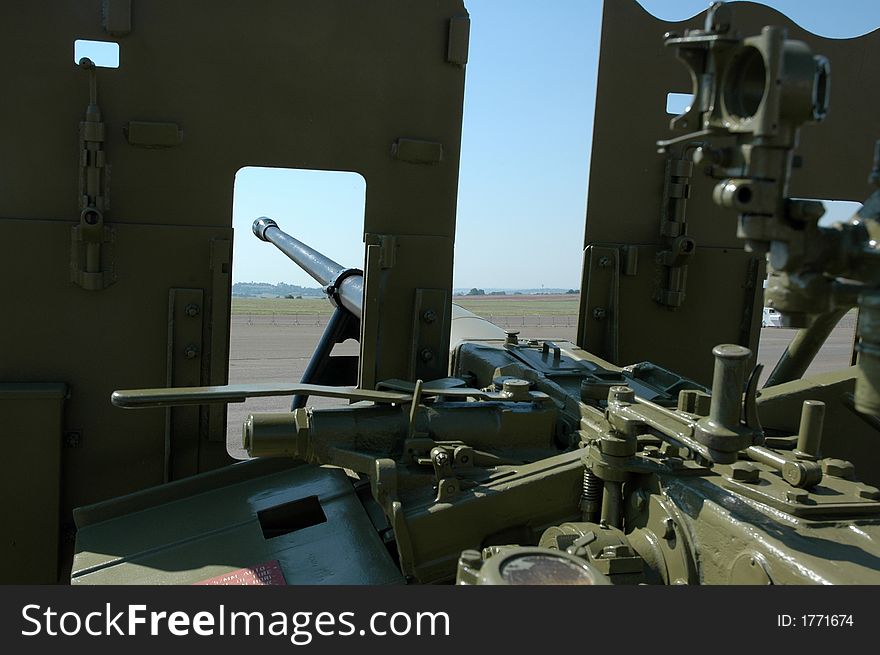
[(265, 348)]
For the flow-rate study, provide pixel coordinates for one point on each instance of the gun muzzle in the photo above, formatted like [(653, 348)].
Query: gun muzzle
[(344, 286)]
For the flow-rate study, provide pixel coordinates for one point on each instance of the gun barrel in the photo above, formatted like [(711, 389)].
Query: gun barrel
[(342, 284)]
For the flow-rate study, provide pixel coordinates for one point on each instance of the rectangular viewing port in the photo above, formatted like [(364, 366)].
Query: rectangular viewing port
[(290, 517), (104, 54)]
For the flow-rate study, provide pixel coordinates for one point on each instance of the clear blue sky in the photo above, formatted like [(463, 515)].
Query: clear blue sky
[(528, 121)]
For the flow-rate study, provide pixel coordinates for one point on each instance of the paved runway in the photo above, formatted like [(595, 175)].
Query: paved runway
[(277, 349)]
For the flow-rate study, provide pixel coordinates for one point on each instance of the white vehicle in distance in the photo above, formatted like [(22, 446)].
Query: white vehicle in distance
[(771, 318)]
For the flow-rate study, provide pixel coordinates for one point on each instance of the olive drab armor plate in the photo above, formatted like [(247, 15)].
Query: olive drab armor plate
[(142, 298), (661, 305)]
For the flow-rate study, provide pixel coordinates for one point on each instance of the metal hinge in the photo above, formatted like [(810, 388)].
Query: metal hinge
[(674, 258), (91, 265)]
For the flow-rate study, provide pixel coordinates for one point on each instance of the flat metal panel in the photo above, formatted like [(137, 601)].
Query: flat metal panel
[(100, 341), (186, 540), (720, 308), (30, 439)]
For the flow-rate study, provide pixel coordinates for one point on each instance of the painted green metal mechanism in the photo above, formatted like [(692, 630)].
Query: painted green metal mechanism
[(643, 453)]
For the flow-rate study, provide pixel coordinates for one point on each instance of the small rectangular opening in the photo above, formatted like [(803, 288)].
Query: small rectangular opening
[(104, 54), (678, 103), (290, 517)]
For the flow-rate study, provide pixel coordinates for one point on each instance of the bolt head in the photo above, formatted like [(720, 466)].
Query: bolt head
[(621, 394), (191, 309), (471, 557), (744, 472), (599, 313), (427, 354), (429, 316)]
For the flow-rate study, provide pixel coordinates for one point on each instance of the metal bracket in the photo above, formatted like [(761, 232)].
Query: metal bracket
[(90, 264), (680, 248), (184, 369), (430, 320), (323, 368), (116, 17), (601, 301), (459, 40)]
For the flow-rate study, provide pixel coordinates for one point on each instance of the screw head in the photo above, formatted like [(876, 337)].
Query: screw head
[(426, 354), (72, 438), (191, 309), (604, 262), (599, 313), (191, 351), (441, 458), (429, 316)]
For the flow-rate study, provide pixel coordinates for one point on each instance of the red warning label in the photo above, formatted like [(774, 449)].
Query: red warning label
[(267, 573)]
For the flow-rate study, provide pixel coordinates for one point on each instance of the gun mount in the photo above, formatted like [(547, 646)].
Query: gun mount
[(642, 453), (536, 462)]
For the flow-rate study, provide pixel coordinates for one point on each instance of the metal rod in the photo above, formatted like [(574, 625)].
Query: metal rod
[(612, 498), (810, 431), (727, 384), (337, 328), (803, 349)]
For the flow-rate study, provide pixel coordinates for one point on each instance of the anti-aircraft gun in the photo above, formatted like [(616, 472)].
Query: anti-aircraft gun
[(536, 461)]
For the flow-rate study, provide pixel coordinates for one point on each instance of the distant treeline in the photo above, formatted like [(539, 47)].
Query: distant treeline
[(283, 290), (515, 292), (280, 290)]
